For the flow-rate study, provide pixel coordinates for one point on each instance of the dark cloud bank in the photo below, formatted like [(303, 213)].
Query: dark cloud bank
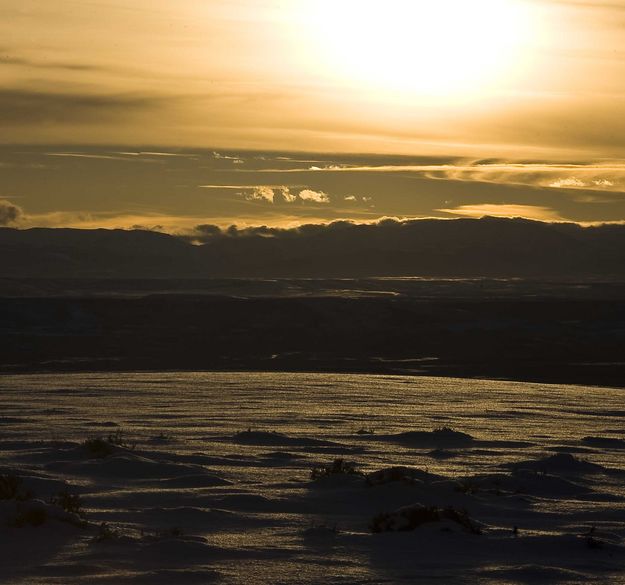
[(463, 247), (20, 107), (9, 213)]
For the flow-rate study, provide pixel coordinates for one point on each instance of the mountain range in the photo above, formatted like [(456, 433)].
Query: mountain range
[(489, 247)]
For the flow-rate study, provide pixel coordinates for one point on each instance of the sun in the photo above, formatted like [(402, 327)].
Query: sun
[(426, 47)]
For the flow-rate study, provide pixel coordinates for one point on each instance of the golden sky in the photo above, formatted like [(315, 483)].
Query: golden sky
[(523, 96)]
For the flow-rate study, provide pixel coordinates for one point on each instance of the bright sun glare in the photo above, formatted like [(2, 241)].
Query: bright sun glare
[(425, 47)]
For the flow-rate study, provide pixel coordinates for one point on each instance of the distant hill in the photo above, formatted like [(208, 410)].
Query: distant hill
[(72, 253), (445, 248)]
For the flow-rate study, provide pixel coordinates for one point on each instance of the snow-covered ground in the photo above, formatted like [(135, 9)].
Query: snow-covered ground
[(207, 477)]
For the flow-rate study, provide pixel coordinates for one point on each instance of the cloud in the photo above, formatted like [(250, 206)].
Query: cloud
[(591, 176), (355, 199), (275, 194), (35, 64), (85, 155), (282, 188), (148, 228), (314, 196), (591, 4), (207, 230), (108, 220), (575, 183), (237, 187), (570, 183), (507, 210), (330, 168), (261, 194), (22, 107), (142, 153), (10, 214), (284, 193), (236, 160), (603, 183)]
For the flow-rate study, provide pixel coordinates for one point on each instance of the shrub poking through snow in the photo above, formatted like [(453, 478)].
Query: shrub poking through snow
[(11, 488), (106, 533), (450, 434), (34, 515), (562, 464), (69, 502), (396, 474), (20, 507), (338, 467), (321, 532), (467, 487), (160, 438), (118, 438), (412, 517), (98, 448), (173, 532), (594, 543)]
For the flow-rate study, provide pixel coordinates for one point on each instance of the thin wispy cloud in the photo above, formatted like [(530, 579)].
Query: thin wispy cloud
[(234, 159), (246, 187), (163, 154), (86, 155), (591, 176), (8, 60), (536, 212), (27, 107)]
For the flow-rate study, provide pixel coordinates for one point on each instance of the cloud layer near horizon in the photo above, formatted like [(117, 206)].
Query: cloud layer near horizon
[(175, 189), (10, 214)]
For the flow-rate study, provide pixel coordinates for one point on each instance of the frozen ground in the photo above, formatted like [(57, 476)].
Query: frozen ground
[(206, 477)]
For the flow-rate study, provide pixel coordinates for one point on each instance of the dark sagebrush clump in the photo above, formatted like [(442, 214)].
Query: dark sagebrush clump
[(467, 487), (11, 488), (69, 502), (119, 439), (100, 448), (106, 533), (161, 438), (31, 516), (411, 517), (338, 467), (398, 473)]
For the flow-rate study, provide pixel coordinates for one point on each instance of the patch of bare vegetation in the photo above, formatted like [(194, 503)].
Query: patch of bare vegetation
[(412, 517), (100, 448), (339, 466), (12, 488)]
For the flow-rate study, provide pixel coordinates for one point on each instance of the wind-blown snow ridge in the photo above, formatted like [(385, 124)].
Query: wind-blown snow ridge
[(178, 494)]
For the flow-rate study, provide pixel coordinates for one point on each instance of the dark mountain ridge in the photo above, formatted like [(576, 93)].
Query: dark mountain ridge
[(489, 247)]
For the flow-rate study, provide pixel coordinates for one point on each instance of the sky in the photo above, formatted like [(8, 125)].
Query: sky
[(170, 114)]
